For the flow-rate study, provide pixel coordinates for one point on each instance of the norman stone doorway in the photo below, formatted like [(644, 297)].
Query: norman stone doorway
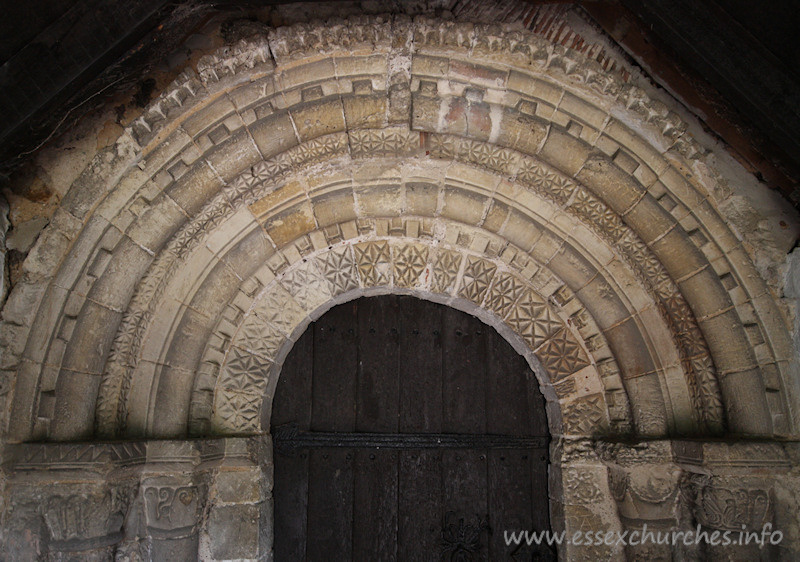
[(406, 430)]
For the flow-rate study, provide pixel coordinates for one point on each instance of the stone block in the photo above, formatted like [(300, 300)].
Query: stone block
[(290, 224), (637, 145), (478, 74), (538, 89), (602, 303), (157, 224), (22, 303), (611, 184), (173, 382), (520, 230), (647, 405), (91, 339), (208, 116), (310, 72), (73, 418), (571, 267), (127, 265), (375, 64), (281, 196), (728, 342), (584, 111), (422, 198), (177, 142), (214, 290), (480, 117), (234, 532), (380, 200), (194, 188), (546, 247), (630, 350), (364, 111), (239, 486), (316, 118), (425, 113), (463, 206), (453, 117), (433, 67), (248, 255), (496, 217), (274, 134), (745, 401), (678, 254), (564, 152), (233, 155), (521, 132), (649, 219), (706, 293), (334, 207)]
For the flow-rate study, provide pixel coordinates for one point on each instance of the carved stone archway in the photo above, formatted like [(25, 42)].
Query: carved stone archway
[(479, 166)]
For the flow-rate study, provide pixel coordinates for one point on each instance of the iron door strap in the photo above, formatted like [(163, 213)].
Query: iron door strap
[(288, 437)]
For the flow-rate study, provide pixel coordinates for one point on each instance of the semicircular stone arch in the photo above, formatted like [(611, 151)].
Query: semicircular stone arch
[(249, 164), (582, 272)]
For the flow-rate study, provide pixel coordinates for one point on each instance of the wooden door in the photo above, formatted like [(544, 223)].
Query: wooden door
[(406, 430)]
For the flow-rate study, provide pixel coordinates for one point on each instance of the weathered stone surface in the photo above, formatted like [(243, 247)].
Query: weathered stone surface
[(520, 181)]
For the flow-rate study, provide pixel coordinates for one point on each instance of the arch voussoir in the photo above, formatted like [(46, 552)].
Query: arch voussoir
[(255, 131)]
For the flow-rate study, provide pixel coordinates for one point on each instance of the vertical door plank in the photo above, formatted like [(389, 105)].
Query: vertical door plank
[(335, 367), (536, 408), (464, 481), (375, 505), (420, 504), (506, 388), (378, 390), (292, 404), (463, 394), (510, 500), (539, 487), (291, 504), (421, 367), (330, 505)]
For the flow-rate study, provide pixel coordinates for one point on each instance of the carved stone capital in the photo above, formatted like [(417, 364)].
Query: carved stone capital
[(83, 520), (171, 508), (731, 504)]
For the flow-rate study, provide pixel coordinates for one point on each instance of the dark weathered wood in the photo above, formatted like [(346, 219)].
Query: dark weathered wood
[(335, 368), (398, 424), (421, 367), (465, 495), (291, 505), (506, 396), (539, 485), (292, 404), (288, 437), (464, 367), (330, 505), (378, 382), (420, 505), (375, 505), (510, 495)]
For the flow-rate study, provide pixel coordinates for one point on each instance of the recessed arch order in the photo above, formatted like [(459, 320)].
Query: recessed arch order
[(492, 171)]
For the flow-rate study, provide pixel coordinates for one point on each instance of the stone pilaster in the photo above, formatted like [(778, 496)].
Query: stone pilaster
[(582, 503), (645, 483), (739, 494), (149, 500)]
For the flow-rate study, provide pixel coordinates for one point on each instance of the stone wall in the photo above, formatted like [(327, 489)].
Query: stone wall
[(212, 499), (156, 500), (477, 165)]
